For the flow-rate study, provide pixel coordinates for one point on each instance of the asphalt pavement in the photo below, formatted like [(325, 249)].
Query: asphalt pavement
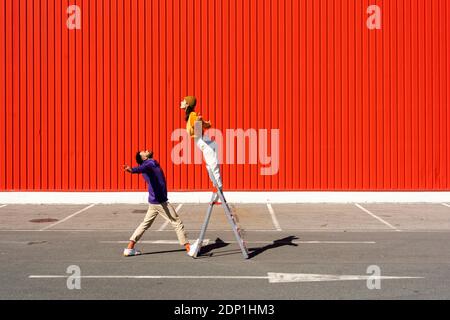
[(322, 251)]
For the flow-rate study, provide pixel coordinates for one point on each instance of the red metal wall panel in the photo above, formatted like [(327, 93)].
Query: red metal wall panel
[(357, 109)]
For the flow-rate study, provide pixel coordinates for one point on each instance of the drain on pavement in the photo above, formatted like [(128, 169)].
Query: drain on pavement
[(44, 220), (30, 243)]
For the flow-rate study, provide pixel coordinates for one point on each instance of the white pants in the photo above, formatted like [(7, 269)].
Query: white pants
[(208, 149)]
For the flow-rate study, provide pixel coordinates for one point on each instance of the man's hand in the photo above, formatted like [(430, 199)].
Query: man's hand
[(206, 124), (126, 168)]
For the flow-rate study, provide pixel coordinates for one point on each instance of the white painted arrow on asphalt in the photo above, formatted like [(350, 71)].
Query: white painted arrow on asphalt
[(307, 277), (271, 276)]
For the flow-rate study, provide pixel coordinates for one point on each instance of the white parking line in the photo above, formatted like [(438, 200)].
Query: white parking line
[(67, 218), (274, 217), (272, 277), (127, 230), (167, 221), (2, 206), (447, 205), (327, 242), (146, 277), (226, 231), (206, 241), (378, 218)]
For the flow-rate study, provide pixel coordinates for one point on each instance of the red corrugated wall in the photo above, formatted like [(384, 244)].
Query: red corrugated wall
[(357, 109)]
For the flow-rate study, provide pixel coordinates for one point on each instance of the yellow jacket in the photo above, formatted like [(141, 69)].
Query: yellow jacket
[(190, 124)]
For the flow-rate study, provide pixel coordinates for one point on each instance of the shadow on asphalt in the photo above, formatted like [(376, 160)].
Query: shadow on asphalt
[(219, 243), (276, 244), (158, 252), (253, 252)]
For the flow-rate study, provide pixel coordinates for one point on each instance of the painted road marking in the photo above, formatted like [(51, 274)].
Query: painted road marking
[(228, 231), (271, 277), (128, 230), (306, 277), (205, 242), (4, 205), (378, 218), (167, 221), (315, 242), (444, 204), (253, 242), (67, 218), (145, 277), (274, 217)]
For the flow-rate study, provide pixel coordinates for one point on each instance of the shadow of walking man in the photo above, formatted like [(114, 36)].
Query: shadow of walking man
[(277, 243)]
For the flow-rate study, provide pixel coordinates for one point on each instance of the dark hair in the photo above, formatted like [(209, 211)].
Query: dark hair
[(189, 109), (139, 158)]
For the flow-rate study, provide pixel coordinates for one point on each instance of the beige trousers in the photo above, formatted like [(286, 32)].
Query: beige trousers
[(167, 212)]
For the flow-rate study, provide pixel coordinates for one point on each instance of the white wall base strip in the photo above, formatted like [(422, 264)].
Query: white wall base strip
[(232, 196)]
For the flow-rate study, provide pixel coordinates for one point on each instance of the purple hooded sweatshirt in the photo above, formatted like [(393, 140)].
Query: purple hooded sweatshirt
[(154, 176)]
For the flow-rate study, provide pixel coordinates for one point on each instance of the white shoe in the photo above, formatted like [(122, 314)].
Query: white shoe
[(131, 252), (193, 249)]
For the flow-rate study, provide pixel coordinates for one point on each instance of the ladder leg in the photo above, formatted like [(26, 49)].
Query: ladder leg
[(232, 222), (228, 214), (205, 225)]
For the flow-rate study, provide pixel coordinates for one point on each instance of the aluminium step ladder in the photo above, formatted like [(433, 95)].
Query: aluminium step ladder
[(218, 195)]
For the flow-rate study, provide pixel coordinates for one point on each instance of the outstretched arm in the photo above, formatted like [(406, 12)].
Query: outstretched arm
[(127, 168), (142, 168)]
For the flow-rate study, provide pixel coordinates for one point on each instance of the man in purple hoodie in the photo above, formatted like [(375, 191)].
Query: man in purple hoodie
[(158, 202)]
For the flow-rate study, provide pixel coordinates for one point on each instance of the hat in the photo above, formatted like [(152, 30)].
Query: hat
[(191, 101)]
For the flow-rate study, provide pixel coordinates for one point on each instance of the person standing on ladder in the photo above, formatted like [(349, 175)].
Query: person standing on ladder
[(195, 126)]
